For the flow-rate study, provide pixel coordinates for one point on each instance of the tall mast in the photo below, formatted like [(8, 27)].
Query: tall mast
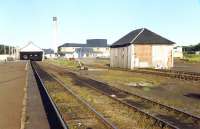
[(55, 34)]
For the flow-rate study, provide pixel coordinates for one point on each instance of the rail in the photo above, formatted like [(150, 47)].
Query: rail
[(55, 119)]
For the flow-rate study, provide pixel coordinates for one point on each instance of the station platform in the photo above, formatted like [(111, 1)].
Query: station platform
[(12, 84), (36, 117)]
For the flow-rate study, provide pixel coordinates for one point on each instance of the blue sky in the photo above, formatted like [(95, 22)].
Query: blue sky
[(31, 20)]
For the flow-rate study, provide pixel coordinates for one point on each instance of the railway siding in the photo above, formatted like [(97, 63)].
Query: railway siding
[(75, 111), (115, 112), (175, 117), (171, 73)]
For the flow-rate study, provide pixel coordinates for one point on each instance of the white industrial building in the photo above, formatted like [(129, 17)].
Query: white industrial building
[(178, 52), (93, 48)]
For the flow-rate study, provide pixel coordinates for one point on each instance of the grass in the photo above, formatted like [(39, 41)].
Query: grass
[(124, 77), (192, 58), (96, 63), (72, 64)]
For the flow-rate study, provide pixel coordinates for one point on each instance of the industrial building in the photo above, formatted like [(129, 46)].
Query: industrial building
[(178, 52), (31, 52), (92, 48), (142, 48), (49, 53)]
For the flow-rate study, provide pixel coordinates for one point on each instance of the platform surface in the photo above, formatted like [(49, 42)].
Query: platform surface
[(36, 116), (12, 83)]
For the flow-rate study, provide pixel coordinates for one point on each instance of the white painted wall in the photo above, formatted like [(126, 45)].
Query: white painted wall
[(4, 57), (160, 55), (50, 56), (178, 52), (124, 57), (71, 55), (130, 58), (121, 57)]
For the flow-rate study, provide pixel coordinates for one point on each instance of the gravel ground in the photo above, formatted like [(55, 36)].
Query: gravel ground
[(12, 83), (185, 66)]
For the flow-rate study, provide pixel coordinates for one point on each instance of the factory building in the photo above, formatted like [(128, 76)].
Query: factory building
[(142, 48), (49, 53), (31, 52), (178, 52), (93, 48)]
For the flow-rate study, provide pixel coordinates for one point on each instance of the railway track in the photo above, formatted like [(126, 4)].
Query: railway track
[(163, 115), (53, 115), (183, 75), (192, 76), (87, 118), (175, 71)]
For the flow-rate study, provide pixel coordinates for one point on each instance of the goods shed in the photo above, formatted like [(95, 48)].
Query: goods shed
[(31, 52), (142, 48)]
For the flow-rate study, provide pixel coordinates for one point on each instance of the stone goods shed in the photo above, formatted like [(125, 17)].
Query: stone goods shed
[(142, 48)]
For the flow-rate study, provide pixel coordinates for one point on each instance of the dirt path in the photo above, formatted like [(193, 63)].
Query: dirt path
[(12, 82)]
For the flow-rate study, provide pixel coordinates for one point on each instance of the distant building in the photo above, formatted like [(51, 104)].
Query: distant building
[(178, 52), (49, 53), (197, 52), (31, 52), (8, 53), (142, 48), (93, 48)]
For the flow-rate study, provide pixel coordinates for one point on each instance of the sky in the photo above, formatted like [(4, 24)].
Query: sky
[(22, 21)]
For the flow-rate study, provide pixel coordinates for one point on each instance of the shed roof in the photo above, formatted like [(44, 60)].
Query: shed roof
[(96, 43), (48, 51), (72, 45), (84, 45), (141, 36), (31, 47)]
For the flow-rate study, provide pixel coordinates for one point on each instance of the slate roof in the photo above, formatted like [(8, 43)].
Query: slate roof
[(72, 45), (48, 51), (94, 44), (141, 36)]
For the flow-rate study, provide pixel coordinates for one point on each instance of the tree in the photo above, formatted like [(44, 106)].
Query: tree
[(191, 48)]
